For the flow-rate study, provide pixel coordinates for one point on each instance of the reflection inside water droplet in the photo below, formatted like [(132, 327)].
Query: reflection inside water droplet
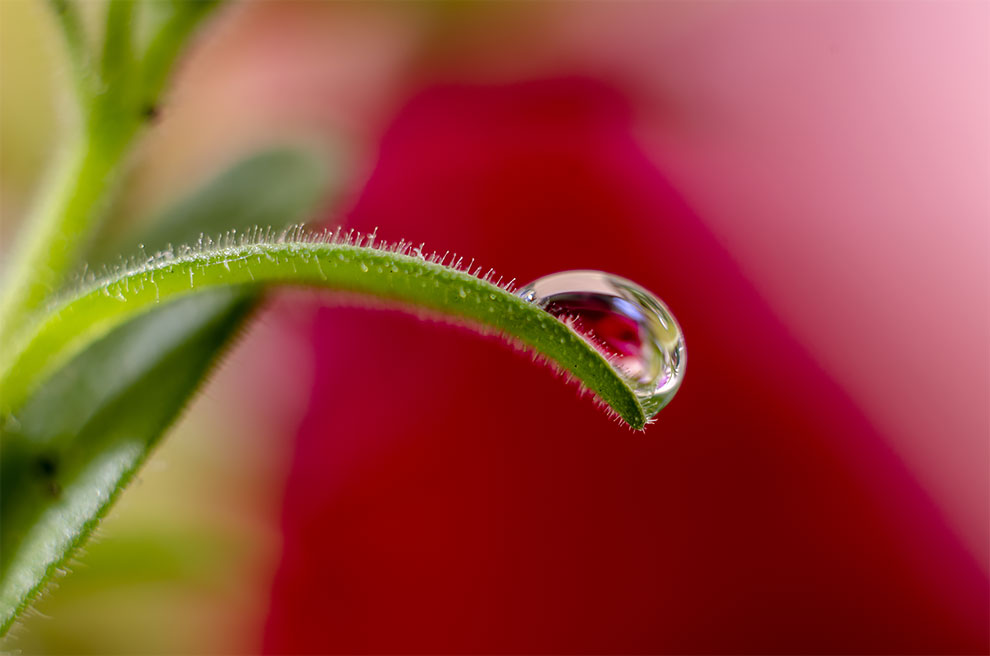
[(628, 324)]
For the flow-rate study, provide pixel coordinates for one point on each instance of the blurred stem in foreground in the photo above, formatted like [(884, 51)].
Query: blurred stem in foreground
[(115, 101)]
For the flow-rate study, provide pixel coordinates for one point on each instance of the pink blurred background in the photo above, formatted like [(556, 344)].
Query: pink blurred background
[(805, 184)]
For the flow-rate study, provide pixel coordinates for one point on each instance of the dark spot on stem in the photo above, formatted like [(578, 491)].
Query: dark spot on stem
[(47, 466), (151, 112)]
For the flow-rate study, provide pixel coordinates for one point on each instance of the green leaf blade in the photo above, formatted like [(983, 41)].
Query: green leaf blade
[(61, 472), (85, 431), (365, 271)]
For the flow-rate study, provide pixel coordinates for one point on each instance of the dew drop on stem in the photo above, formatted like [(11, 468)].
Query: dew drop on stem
[(625, 322)]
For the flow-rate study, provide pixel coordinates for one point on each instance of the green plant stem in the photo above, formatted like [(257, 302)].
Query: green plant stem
[(117, 57), (76, 195), (70, 204), (367, 272), (95, 420), (74, 36)]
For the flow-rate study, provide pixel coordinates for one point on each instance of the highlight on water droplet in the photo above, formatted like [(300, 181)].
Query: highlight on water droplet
[(626, 323)]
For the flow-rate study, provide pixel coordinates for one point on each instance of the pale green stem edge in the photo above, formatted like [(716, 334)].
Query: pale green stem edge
[(368, 272), (56, 229)]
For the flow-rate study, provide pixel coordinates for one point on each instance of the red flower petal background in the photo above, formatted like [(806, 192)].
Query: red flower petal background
[(445, 495)]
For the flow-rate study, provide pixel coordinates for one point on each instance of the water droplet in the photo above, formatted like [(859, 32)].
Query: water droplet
[(628, 324)]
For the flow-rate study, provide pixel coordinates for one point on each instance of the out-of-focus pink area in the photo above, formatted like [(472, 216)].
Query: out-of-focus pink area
[(446, 496), (839, 151), (836, 151)]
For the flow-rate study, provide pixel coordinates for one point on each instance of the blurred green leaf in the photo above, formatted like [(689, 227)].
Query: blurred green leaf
[(80, 438), (275, 187)]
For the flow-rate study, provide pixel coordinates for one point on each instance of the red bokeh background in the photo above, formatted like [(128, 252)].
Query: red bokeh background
[(445, 495)]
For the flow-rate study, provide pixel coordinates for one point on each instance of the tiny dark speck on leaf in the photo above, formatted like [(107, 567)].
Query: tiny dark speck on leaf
[(151, 112), (47, 466)]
